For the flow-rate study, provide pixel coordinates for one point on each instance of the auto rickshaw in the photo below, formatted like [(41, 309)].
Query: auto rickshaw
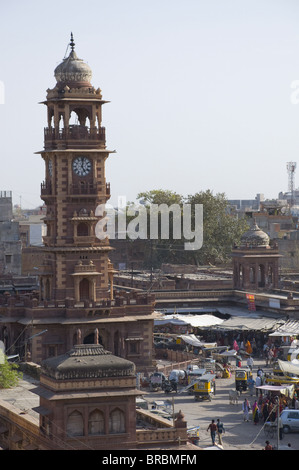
[(242, 375), (157, 380), (204, 387)]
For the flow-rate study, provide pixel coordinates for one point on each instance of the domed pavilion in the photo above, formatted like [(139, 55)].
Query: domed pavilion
[(255, 261)]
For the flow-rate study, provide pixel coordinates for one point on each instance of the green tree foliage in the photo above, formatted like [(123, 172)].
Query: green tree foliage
[(221, 230), (159, 251), (9, 374)]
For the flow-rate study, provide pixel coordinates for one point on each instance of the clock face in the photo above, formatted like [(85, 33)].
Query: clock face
[(81, 166)]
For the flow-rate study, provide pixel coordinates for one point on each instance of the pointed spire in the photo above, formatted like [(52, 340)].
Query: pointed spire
[(72, 44)]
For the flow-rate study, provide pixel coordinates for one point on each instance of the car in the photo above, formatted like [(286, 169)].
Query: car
[(290, 421)]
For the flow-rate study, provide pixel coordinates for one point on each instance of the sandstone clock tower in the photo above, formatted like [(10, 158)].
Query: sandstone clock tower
[(77, 303), (76, 264)]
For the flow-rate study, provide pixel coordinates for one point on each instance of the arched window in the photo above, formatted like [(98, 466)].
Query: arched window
[(261, 276), (82, 230), (270, 275), (96, 423), (47, 290), (117, 421), (74, 426), (252, 275)]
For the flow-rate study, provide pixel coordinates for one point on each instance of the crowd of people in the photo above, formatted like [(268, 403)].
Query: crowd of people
[(259, 407)]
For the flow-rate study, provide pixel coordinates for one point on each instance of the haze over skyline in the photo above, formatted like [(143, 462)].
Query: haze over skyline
[(200, 92)]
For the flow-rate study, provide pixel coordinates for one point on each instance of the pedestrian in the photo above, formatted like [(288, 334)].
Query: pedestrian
[(280, 428), (220, 431), (270, 356), (250, 362), (258, 383), (248, 347), (266, 411), (255, 412), (268, 446), (246, 409), (212, 428), (251, 384)]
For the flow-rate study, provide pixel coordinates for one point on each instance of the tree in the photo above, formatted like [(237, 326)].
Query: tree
[(160, 196), (9, 375), (220, 229), (162, 250)]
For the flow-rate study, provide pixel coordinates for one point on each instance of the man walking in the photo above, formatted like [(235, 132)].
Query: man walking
[(220, 431), (212, 428)]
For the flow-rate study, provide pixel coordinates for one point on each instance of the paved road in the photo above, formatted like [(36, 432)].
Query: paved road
[(239, 435)]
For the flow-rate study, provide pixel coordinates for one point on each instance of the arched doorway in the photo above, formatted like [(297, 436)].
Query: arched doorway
[(47, 290), (261, 278), (84, 289), (90, 339)]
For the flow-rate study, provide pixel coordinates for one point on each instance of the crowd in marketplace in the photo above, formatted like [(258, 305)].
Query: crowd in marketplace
[(248, 346)]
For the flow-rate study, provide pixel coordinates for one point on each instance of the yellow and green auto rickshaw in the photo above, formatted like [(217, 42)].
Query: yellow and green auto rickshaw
[(204, 387), (242, 375)]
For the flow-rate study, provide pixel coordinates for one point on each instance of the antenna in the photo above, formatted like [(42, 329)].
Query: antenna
[(291, 167)]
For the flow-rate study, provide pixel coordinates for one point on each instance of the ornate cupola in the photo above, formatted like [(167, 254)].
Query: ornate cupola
[(75, 185), (73, 72), (255, 261)]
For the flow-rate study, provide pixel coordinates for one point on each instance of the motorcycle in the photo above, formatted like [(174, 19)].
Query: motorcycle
[(170, 386)]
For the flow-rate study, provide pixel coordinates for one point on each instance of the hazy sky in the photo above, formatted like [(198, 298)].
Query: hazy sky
[(200, 91)]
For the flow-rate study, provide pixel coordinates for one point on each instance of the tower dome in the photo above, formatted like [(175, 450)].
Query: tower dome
[(88, 361), (72, 71), (255, 237)]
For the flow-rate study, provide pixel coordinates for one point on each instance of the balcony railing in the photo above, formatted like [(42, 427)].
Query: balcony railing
[(81, 188), (46, 189), (74, 134)]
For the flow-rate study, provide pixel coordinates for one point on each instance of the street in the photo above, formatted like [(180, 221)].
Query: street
[(239, 435)]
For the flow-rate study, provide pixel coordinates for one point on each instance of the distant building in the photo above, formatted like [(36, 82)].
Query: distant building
[(255, 261), (10, 244), (243, 205)]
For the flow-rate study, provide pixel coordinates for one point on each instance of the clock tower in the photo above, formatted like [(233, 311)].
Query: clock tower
[(76, 264), (76, 303)]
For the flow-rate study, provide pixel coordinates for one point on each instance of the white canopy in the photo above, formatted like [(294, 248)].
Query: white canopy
[(199, 321), (194, 341), (287, 390), (289, 328), (289, 367)]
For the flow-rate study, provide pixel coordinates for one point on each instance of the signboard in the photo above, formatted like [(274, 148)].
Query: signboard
[(250, 302)]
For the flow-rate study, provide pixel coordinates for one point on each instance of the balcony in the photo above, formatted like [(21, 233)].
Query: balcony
[(74, 137), (46, 188), (79, 189)]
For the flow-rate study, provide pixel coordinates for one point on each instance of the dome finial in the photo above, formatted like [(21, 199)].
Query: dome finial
[(72, 44)]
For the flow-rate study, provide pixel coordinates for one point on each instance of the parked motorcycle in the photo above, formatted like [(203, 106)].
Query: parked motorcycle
[(170, 386)]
